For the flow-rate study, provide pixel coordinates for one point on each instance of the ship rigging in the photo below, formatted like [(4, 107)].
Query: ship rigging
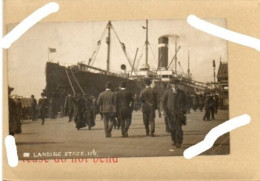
[(88, 79)]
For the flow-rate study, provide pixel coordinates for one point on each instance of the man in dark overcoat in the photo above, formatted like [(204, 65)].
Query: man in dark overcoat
[(175, 107), (125, 108), (69, 106), (206, 116), (33, 108), (149, 103), (43, 105), (11, 107)]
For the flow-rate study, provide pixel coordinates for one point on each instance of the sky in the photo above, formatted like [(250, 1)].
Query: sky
[(76, 41)]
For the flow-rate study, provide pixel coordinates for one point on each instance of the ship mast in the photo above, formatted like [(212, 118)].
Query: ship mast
[(108, 45), (146, 45), (188, 63), (176, 54)]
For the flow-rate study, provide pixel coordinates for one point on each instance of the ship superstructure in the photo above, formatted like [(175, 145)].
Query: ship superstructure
[(89, 80)]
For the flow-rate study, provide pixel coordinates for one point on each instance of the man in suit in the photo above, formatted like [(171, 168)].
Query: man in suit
[(18, 116), (12, 107), (175, 107), (107, 102), (69, 106), (167, 88), (33, 107), (216, 98), (42, 107), (149, 103), (207, 109), (125, 108), (212, 107), (117, 123)]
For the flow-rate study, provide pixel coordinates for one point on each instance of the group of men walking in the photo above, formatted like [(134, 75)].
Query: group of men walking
[(211, 107), (119, 105), (82, 109), (39, 109), (116, 107)]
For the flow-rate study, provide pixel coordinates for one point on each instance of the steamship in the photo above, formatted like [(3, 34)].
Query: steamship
[(86, 79)]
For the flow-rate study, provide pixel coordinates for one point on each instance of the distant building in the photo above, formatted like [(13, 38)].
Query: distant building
[(223, 85)]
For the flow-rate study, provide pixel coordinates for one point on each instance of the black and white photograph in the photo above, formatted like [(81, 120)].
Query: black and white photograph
[(112, 89)]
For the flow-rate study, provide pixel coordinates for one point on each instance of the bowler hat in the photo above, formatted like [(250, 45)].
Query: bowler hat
[(147, 82), (123, 84), (10, 89), (108, 85)]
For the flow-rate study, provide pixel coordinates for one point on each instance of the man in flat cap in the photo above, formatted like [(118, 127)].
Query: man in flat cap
[(125, 108), (107, 103), (174, 106), (149, 103)]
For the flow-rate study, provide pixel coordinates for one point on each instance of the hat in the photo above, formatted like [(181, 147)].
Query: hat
[(147, 82), (108, 85), (123, 84), (10, 89)]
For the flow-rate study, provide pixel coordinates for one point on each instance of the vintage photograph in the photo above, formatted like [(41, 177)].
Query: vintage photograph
[(111, 89)]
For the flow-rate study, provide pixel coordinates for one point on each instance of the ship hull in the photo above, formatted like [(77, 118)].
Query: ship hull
[(60, 80)]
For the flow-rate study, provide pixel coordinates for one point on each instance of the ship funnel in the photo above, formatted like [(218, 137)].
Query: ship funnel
[(163, 52)]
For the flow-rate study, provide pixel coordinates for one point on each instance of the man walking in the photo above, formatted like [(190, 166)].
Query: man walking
[(125, 108), (42, 107), (207, 109), (216, 98), (175, 107), (107, 103), (148, 99), (167, 129), (212, 107), (69, 106), (33, 107), (89, 112)]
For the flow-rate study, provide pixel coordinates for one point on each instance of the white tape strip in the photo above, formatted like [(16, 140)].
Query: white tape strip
[(223, 33), (214, 134), (11, 151), (28, 22)]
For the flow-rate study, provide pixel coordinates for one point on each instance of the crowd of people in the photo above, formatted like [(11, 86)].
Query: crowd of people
[(116, 108)]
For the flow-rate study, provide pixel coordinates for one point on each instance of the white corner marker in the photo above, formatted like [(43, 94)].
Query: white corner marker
[(6, 42), (214, 134), (28, 22), (223, 33), (11, 151)]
